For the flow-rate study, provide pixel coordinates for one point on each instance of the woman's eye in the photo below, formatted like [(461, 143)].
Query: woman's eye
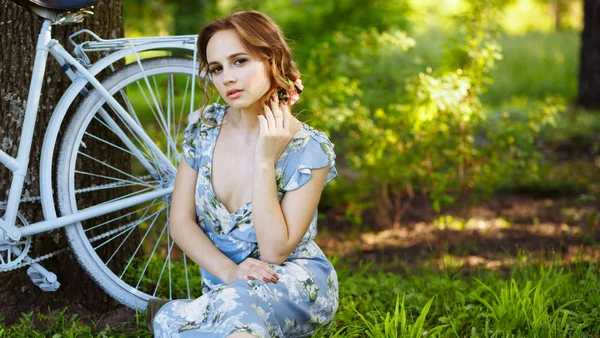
[(215, 70), (239, 61)]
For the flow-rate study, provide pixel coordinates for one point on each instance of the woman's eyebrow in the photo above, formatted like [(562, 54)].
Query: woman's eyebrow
[(229, 57)]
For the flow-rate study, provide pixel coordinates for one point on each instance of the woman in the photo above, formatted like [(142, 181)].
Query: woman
[(250, 219)]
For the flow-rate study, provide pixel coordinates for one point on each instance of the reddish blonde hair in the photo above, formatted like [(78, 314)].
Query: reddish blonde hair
[(263, 38)]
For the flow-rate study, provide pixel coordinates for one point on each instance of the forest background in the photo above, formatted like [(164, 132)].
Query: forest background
[(467, 202)]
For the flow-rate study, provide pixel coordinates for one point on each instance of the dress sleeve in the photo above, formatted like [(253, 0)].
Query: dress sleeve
[(316, 154), (189, 146)]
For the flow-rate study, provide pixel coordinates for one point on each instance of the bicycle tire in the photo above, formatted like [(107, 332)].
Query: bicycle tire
[(79, 134)]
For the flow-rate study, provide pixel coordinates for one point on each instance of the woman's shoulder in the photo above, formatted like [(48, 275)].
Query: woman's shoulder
[(309, 149), (311, 139)]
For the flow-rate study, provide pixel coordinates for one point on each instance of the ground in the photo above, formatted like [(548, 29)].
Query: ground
[(495, 234), (492, 234)]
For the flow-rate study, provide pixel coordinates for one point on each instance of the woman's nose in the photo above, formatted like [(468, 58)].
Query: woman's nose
[(228, 77)]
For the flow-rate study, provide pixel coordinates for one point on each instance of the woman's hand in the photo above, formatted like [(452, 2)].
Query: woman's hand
[(274, 134), (253, 269)]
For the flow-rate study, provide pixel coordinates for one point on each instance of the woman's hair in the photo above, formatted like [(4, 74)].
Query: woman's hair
[(263, 38)]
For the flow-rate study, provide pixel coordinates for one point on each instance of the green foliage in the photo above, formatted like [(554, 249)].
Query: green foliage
[(535, 299), (63, 325), (434, 114), (436, 138), (534, 68), (397, 325), (173, 277)]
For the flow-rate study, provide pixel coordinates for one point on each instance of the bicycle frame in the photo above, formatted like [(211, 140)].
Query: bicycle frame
[(119, 48)]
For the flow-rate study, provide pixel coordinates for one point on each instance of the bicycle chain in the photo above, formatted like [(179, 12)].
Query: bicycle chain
[(34, 260), (94, 188), (93, 239)]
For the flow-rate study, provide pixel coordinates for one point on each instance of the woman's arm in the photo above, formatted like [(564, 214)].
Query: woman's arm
[(279, 228), (193, 241)]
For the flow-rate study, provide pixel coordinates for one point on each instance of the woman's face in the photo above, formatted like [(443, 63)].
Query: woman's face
[(240, 78)]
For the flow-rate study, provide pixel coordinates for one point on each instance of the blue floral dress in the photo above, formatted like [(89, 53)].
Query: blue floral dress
[(306, 295)]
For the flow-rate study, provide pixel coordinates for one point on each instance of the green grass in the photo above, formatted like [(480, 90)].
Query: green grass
[(536, 299)]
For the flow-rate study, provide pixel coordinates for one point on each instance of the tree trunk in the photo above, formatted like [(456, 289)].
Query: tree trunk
[(18, 35), (589, 68)]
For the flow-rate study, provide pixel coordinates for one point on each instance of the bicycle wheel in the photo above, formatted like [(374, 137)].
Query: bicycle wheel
[(129, 252)]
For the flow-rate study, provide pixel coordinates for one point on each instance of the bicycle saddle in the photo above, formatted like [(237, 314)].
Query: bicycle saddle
[(64, 4)]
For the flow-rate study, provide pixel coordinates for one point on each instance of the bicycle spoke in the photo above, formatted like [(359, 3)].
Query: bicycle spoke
[(109, 143), (169, 257), (144, 157), (149, 154), (119, 231), (129, 106), (138, 247), (169, 247), (187, 83), (187, 279), (149, 258), (169, 98), (160, 122), (110, 166), (120, 217), (171, 145), (126, 237), (111, 178), (139, 192), (158, 115)]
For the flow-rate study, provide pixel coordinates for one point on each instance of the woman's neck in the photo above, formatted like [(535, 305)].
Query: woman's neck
[(244, 121)]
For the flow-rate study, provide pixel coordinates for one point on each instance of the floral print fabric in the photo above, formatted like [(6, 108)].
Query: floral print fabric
[(306, 296)]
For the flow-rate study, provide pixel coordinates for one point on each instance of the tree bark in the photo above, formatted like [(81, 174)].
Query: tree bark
[(18, 34), (589, 68)]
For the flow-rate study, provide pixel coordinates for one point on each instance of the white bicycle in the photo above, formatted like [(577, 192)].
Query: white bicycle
[(115, 164)]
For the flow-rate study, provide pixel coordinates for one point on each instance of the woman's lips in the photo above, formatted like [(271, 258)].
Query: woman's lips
[(235, 95)]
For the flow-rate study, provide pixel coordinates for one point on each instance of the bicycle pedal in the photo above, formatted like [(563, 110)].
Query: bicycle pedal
[(46, 281)]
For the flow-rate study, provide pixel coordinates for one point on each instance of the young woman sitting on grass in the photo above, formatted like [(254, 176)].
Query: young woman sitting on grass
[(245, 200)]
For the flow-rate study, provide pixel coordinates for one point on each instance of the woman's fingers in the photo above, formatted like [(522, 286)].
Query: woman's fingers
[(262, 124), (269, 116), (277, 113), (256, 272), (265, 269), (287, 116)]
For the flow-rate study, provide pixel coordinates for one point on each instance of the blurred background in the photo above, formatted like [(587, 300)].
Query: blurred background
[(462, 145), (455, 114)]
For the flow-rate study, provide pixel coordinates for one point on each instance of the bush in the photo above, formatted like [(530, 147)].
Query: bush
[(436, 139)]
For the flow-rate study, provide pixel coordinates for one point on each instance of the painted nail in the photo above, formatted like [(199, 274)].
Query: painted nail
[(276, 276), (266, 280), (273, 280)]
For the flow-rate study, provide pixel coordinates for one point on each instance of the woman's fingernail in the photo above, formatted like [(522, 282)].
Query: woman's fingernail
[(266, 280), (276, 276), (273, 280)]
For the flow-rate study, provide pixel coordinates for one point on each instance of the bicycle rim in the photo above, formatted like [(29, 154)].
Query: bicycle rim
[(129, 251)]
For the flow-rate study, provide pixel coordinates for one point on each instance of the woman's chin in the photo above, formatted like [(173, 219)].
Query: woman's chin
[(241, 104)]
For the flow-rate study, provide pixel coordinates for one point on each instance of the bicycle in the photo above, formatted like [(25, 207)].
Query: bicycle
[(114, 119)]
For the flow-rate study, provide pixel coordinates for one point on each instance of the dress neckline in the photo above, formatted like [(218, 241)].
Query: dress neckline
[(221, 111)]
